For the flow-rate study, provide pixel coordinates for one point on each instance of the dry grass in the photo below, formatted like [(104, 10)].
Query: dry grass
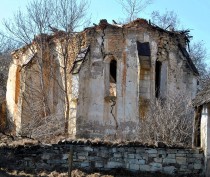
[(79, 173)]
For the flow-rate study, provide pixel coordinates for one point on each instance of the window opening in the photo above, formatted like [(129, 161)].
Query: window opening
[(197, 126), (157, 78), (113, 77)]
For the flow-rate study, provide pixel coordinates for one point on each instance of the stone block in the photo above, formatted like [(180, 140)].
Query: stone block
[(171, 151), (141, 162), (180, 155), (122, 149), (94, 158), (139, 156), (132, 161), (185, 170), (99, 164), (157, 165), (102, 154), (151, 151), (190, 166), (134, 167), (114, 165), (161, 151), (152, 155), (127, 166), (140, 150), (197, 166), (145, 157), (181, 151), (46, 156), (85, 164), (190, 160), (190, 155), (101, 149), (183, 167), (114, 150), (154, 169), (171, 156), (145, 167), (65, 156), (117, 155), (131, 156), (56, 161), (169, 169), (168, 161), (198, 155), (88, 148), (158, 160), (82, 153), (82, 157), (131, 149), (181, 160)]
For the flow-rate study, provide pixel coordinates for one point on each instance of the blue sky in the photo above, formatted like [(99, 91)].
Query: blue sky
[(193, 14)]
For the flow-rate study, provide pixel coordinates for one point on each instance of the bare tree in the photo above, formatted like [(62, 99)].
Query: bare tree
[(7, 44), (33, 28), (132, 8), (167, 20), (198, 54), (70, 15)]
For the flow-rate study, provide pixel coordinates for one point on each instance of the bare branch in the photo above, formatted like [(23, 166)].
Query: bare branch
[(168, 20), (132, 8)]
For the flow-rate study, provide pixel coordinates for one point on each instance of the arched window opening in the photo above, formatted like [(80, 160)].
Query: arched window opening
[(113, 77)]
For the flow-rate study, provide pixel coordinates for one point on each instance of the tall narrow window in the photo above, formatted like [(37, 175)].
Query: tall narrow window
[(197, 126), (113, 77), (157, 78)]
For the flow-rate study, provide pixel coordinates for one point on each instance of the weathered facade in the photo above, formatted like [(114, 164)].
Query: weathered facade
[(113, 75), (140, 63)]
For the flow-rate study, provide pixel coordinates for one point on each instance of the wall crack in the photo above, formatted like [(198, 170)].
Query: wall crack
[(112, 107)]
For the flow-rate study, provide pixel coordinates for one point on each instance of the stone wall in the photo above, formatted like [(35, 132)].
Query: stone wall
[(103, 157)]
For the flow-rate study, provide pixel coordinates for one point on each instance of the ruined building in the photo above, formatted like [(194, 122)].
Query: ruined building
[(113, 72)]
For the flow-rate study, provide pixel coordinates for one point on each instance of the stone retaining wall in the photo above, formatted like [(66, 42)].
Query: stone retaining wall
[(103, 157)]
